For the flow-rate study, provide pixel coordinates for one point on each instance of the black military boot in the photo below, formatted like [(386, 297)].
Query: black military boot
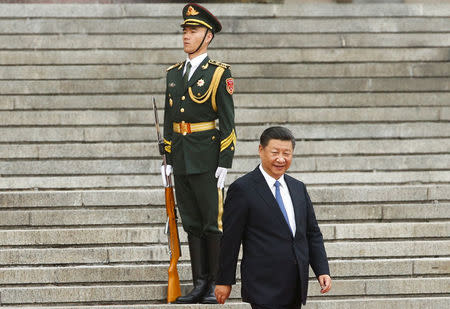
[(199, 271), (213, 250)]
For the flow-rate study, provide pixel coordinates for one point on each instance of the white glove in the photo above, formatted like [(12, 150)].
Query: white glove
[(168, 173), (221, 173)]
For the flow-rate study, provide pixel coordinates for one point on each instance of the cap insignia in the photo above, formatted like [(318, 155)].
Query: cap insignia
[(191, 11)]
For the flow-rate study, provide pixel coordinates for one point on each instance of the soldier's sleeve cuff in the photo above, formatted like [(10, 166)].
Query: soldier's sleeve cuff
[(167, 146), (229, 141)]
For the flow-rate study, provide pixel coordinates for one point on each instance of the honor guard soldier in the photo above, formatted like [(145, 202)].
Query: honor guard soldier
[(199, 92)]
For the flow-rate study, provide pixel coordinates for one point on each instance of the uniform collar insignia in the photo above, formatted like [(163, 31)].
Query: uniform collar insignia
[(172, 84)]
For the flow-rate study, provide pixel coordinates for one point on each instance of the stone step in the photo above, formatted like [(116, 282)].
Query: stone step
[(228, 305), (270, 55), (245, 148), (401, 69), (382, 163), (221, 11), (158, 273), (319, 194), (313, 303), (152, 292), (357, 249), (379, 303), (289, 40), (154, 180), (121, 101), (243, 116), (53, 216), (266, 85), (82, 236), (101, 217), (155, 235), (245, 133), (232, 27)]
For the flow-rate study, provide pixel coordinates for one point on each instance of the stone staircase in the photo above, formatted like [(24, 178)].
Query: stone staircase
[(364, 88)]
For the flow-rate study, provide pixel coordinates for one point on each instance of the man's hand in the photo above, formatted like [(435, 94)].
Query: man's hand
[(222, 293), (325, 283), (167, 172), (221, 173)]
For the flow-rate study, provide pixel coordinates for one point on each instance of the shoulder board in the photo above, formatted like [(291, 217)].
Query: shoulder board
[(174, 66), (220, 64)]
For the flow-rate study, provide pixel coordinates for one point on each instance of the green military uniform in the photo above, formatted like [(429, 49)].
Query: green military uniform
[(196, 145), (207, 97)]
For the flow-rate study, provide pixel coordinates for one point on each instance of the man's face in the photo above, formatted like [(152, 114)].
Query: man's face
[(276, 157), (193, 36)]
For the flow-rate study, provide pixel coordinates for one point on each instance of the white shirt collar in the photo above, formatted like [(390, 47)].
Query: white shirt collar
[(270, 180), (196, 61)]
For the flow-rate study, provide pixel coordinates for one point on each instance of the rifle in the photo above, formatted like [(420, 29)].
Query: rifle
[(171, 229)]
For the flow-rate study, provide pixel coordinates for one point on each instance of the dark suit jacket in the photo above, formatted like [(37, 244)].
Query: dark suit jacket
[(272, 257)]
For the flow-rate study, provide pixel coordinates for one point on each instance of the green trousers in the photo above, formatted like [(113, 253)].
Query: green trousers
[(198, 202)]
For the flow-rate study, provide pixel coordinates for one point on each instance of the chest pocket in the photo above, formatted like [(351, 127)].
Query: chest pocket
[(212, 90)]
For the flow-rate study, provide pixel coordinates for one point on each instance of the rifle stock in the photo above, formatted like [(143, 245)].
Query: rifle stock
[(173, 287)]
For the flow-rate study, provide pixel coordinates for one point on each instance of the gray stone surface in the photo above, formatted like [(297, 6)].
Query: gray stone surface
[(261, 26), (156, 215), (406, 248), (80, 236), (59, 256), (253, 10), (156, 41), (40, 181), (246, 116), (381, 303), (437, 210), (409, 286), (281, 70), (226, 55), (246, 148), (145, 166), (142, 101), (80, 294), (266, 85), (158, 253), (313, 303), (391, 230), (149, 273), (152, 292), (301, 131)]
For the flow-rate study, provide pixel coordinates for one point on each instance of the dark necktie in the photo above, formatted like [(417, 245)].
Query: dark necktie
[(186, 74), (280, 202)]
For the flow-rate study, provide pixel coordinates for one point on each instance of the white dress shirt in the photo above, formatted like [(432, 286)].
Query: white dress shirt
[(285, 195), (194, 64)]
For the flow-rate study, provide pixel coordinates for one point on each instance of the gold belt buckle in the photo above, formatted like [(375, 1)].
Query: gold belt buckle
[(185, 128)]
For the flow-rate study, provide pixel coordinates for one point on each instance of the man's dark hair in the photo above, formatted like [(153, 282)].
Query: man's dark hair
[(280, 133)]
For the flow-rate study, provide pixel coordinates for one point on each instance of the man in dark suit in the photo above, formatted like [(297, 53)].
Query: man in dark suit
[(272, 215)]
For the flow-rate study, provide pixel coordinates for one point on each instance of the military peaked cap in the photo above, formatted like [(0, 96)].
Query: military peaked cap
[(196, 15)]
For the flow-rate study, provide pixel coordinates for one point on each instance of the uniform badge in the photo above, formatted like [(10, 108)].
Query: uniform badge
[(170, 102), (200, 82), (172, 84), (230, 85), (191, 11)]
